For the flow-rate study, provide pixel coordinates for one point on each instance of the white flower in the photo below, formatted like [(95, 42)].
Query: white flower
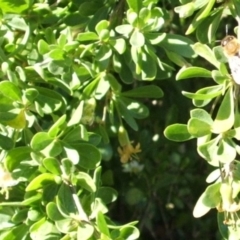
[(133, 166), (6, 181)]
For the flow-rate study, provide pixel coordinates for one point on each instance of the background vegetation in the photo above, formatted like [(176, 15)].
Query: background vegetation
[(88, 101)]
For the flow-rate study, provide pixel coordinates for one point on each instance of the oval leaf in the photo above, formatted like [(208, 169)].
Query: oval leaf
[(177, 132), (205, 52), (225, 116), (198, 128), (150, 91), (40, 181), (193, 72)]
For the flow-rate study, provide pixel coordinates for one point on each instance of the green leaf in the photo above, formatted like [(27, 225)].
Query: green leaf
[(219, 54), (102, 87), (137, 39), (209, 199), (85, 181), (208, 34), (225, 115), (234, 133), (44, 229), (7, 110), (132, 17), (136, 54), (91, 87), (136, 5), (65, 201), (97, 176), (49, 100), (155, 38), (213, 176), (185, 10), (40, 181), (19, 122), (237, 6), (209, 151), (96, 207), (218, 77), (50, 190), (31, 94), (40, 141), (203, 13), (177, 132), (136, 109), (198, 128), (21, 73), (66, 225), (102, 25), (62, 40), (55, 67), (76, 115), (200, 3), (34, 214), (129, 232), (124, 29), (77, 133), (102, 225), (203, 96), (103, 57), (21, 231), (178, 44), (43, 47), (70, 46), (104, 35), (148, 65), (205, 52), (85, 231), (88, 8), (101, 13), (223, 228), (226, 151), (6, 142), (57, 127), (119, 45), (104, 134), (150, 91), (87, 36), (193, 72), (52, 165), (16, 155), (115, 85), (201, 115), (199, 96), (20, 216), (67, 167), (70, 153), (107, 194), (177, 59), (53, 212), (125, 114), (14, 6), (89, 155), (6, 214), (31, 197), (10, 91), (145, 14)]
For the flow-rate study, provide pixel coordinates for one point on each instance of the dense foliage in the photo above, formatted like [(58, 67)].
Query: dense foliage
[(88, 98)]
